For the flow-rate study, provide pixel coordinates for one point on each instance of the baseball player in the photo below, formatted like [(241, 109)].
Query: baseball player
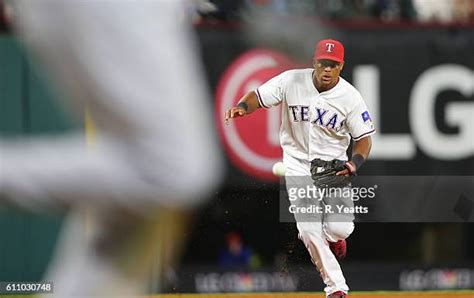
[(321, 114), (126, 61)]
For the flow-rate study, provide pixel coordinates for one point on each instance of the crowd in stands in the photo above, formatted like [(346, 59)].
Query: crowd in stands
[(435, 11), (417, 11)]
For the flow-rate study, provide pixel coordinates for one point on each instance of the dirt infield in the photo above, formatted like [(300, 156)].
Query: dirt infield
[(438, 294)]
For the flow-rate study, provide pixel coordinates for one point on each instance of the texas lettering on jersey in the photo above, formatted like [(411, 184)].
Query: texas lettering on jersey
[(316, 124), (324, 118)]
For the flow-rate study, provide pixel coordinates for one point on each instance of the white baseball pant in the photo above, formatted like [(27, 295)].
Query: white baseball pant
[(316, 234)]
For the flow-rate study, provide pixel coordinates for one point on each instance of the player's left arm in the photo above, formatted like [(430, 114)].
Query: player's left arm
[(362, 147), (360, 128), (360, 153)]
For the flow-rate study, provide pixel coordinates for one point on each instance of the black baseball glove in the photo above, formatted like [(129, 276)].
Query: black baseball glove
[(324, 173)]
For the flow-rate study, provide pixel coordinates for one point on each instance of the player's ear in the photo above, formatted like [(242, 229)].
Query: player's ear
[(342, 66), (314, 62)]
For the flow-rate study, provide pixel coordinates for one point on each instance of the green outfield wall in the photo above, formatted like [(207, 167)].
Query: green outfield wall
[(26, 108)]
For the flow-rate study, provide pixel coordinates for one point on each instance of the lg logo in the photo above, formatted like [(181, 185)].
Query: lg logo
[(251, 143), (421, 109)]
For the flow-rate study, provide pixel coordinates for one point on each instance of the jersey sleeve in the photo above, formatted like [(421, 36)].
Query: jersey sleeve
[(359, 121), (272, 92)]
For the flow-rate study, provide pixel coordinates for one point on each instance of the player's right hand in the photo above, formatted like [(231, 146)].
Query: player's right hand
[(234, 112)]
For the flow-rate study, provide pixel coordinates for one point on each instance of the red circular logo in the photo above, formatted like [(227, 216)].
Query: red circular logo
[(251, 142)]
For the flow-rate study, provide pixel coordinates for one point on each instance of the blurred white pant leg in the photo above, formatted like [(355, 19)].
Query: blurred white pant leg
[(312, 234), (134, 64), (78, 271)]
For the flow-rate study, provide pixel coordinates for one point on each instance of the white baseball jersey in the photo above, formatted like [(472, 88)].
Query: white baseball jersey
[(316, 124)]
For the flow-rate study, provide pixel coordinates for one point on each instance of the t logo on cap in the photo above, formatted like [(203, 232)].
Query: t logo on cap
[(329, 49)]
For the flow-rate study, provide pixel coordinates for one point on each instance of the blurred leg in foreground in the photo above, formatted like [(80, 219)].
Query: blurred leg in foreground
[(135, 66)]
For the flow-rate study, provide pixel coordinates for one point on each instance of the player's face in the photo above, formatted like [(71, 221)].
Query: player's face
[(326, 73)]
